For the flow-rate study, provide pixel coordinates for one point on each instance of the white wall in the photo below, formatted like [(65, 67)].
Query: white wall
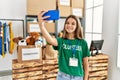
[(110, 31), (11, 9)]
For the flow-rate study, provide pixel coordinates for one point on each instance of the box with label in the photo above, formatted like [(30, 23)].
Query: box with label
[(29, 53), (77, 12), (35, 6), (34, 27)]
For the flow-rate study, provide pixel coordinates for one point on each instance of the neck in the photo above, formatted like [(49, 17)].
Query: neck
[(71, 36)]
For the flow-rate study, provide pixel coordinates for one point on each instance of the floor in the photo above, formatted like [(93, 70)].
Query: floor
[(9, 77), (6, 75)]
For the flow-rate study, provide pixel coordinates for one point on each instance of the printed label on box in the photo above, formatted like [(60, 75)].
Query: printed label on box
[(34, 28), (30, 53), (77, 12), (65, 2)]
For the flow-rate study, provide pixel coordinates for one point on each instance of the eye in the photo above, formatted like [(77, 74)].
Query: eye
[(73, 23), (67, 22)]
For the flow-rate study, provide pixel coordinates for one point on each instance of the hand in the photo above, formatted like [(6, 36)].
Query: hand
[(41, 19)]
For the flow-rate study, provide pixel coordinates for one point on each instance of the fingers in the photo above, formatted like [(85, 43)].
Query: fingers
[(45, 17), (43, 12), (40, 16)]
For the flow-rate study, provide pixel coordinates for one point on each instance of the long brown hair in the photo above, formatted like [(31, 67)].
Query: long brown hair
[(78, 30)]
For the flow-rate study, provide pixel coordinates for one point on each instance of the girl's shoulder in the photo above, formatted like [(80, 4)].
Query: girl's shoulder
[(83, 41), (59, 38)]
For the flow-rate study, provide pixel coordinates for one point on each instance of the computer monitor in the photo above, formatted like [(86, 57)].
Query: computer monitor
[(96, 45)]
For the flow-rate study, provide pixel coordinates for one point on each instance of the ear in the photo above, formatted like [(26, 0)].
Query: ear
[(20, 38), (15, 40)]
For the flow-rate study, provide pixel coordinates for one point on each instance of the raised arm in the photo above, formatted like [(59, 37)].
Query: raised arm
[(51, 40)]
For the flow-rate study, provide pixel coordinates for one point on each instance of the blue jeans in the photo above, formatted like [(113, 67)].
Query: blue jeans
[(64, 76)]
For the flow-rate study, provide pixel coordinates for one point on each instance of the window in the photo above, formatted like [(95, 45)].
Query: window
[(93, 20), (118, 56)]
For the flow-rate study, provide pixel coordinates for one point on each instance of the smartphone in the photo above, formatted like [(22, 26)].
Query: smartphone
[(54, 15)]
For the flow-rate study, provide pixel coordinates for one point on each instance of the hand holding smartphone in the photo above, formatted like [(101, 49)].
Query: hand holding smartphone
[(54, 15)]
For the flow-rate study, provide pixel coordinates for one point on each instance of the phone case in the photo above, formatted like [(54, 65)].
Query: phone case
[(54, 15)]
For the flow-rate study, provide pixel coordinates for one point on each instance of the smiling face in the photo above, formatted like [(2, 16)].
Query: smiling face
[(70, 26)]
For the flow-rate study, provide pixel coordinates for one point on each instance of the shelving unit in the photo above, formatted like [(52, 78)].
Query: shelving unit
[(73, 7), (58, 24)]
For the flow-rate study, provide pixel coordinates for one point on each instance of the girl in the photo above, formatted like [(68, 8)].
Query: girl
[(72, 48)]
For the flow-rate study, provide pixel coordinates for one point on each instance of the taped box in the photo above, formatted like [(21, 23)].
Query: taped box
[(29, 53)]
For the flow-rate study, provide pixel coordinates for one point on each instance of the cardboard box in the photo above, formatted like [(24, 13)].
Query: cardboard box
[(34, 27), (29, 53), (77, 3), (50, 27), (35, 6), (77, 12), (64, 11)]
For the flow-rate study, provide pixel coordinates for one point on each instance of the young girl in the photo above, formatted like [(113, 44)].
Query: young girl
[(73, 49)]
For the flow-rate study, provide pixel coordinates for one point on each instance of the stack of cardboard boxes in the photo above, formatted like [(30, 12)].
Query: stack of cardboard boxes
[(66, 7), (34, 8)]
